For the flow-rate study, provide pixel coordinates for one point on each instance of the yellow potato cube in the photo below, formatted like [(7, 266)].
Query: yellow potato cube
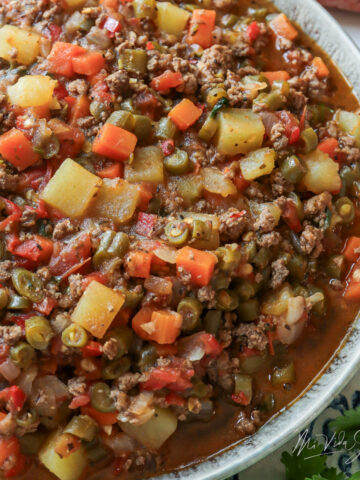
[(27, 44), (240, 131), (67, 468), (147, 166), (71, 189), (117, 199), (322, 173), (170, 18), (97, 308), (74, 4), (32, 91), (258, 163), (215, 181), (349, 123)]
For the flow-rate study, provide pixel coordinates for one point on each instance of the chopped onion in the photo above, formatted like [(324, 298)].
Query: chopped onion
[(158, 285), (27, 378), (120, 443), (9, 370), (291, 324), (166, 253), (269, 120), (45, 394), (192, 347)]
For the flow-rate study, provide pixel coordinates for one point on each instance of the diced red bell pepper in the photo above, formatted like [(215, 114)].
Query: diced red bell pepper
[(292, 129), (240, 398), (174, 399), (40, 210), (79, 401), (146, 224), (66, 256), (60, 91), (38, 249), (168, 147), (253, 31), (12, 211), (14, 397), (174, 378), (212, 346), (54, 32), (92, 349), (290, 216), (46, 306)]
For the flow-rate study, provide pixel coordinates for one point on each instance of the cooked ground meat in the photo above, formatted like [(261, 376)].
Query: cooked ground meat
[(311, 241), (265, 222), (111, 348), (269, 240), (8, 182), (278, 138), (279, 273), (232, 224), (77, 386), (5, 270), (316, 206), (252, 335), (10, 334), (63, 228)]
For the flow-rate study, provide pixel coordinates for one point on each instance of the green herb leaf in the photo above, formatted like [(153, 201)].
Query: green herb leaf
[(348, 425), (307, 460), (223, 102)]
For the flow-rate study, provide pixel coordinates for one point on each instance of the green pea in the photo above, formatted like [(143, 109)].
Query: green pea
[(28, 284), (4, 298), (100, 398), (74, 336), (165, 129), (38, 332), (245, 289), (292, 169), (115, 368), (22, 354), (283, 375), (190, 309), (226, 300), (82, 426), (345, 209), (177, 232), (147, 357), (123, 336), (213, 321), (178, 163), (123, 119), (249, 311), (111, 245), (262, 258), (297, 266), (309, 140)]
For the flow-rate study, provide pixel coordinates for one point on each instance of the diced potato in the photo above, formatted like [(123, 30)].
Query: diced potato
[(146, 167), (117, 199), (322, 173), (74, 4), (190, 188), (154, 433), (258, 163), (215, 182), (27, 44), (32, 91), (272, 208), (170, 18), (277, 303), (67, 468), (240, 131), (214, 241), (71, 189), (350, 123), (97, 308)]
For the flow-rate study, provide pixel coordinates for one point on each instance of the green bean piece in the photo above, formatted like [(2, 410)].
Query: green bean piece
[(228, 20), (178, 163), (100, 398), (345, 209), (4, 298), (253, 363), (270, 101), (22, 354), (243, 383), (249, 250), (208, 129), (177, 232), (143, 128), (28, 284), (165, 129), (229, 257), (297, 266), (220, 280), (268, 402), (133, 60), (214, 96), (74, 336), (226, 300), (190, 309), (202, 229), (334, 266), (320, 114), (295, 240), (262, 258), (249, 311), (284, 375), (27, 419), (123, 119), (309, 140), (115, 368), (298, 205), (356, 188), (38, 332), (82, 426), (111, 245), (147, 357), (258, 13), (319, 307), (124, 337), (30, 443), (98, 110), (292, 169), (144, 8), (245, 289), (132, 297), (213, 321)]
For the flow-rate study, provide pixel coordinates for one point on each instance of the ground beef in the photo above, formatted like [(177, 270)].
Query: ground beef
[(296, 100), (89, 125), (347, 147), (170, 200), (111, 348), (315, 206), (128, 381), (207, 295), (8, 182), (77, 386), (10, 334), (265, 222), (256, 191), (279, 272), (222, 370), (252, 335), (118, 82), (78, 87), (311, 241), (5, 270), (278, 137), (74, 292), (247, 426), (279, 184), (215, 61), (24, 12), (241, 47), (233, 87), (63, 228), (232, 224), (268, 240), (297, 60)]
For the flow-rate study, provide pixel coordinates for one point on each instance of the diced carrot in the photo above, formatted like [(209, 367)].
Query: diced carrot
[(71, 138), (166, 80), (278, 76), (322, 70), (80, 109), (201, 26), (2, 415), (146, 191), (166, 326), (17, 149), (114, 142), (110, 4), (67, 444), (329, 145), (90, 63), (99, 417), (60, 58), (138, 264), (112, 171), (185, 114), (199, 264), (282, 26), (142, 317), (352, 249)]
